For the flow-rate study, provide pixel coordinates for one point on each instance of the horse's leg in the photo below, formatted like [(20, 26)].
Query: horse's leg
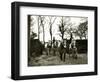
[(64, 55), (73, 55), (69, 52), (47, 51), (76, 53), (61, 56)]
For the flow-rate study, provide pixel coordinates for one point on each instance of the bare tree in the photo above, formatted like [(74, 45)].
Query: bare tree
[(39, 25), (42, 23), (31, 23), (70, 28), (82, 30), (51, 22), (63, 26)]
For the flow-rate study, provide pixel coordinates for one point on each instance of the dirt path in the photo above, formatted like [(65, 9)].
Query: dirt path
[(44, 60)]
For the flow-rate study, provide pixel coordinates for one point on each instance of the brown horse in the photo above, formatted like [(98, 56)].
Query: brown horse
[(62, 52)]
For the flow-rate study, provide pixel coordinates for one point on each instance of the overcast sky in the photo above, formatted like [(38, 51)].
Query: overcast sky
[(55, 30)]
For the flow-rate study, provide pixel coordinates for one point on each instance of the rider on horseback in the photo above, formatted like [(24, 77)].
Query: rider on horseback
[(72, 47)]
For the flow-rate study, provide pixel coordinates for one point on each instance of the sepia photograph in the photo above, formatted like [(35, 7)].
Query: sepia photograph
[(53, 40), (57, 40)]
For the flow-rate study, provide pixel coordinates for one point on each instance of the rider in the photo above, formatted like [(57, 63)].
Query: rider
[(70, 44), (71, 37), (55, 44), (73, 48)]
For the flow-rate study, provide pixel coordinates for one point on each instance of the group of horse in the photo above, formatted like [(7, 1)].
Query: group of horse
[(62, 49)]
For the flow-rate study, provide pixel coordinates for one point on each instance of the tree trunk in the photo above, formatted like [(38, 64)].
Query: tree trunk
[(43, 35), (51, 34), (51, 40), (63, 37), (38, 29)]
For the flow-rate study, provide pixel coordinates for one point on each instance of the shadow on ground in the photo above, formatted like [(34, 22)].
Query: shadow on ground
[(45, 60)]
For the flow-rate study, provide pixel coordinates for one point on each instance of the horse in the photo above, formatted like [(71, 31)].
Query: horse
[(55, 47), (73, 49), (48, 48), (62, 51)]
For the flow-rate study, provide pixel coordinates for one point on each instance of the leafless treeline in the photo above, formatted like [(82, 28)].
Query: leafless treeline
[(64, 25)]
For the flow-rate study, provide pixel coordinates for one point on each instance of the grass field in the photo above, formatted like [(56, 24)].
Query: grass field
[(45, 60)]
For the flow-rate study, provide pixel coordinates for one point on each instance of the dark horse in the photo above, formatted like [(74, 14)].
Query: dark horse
[(62, 52), (48, 48)]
